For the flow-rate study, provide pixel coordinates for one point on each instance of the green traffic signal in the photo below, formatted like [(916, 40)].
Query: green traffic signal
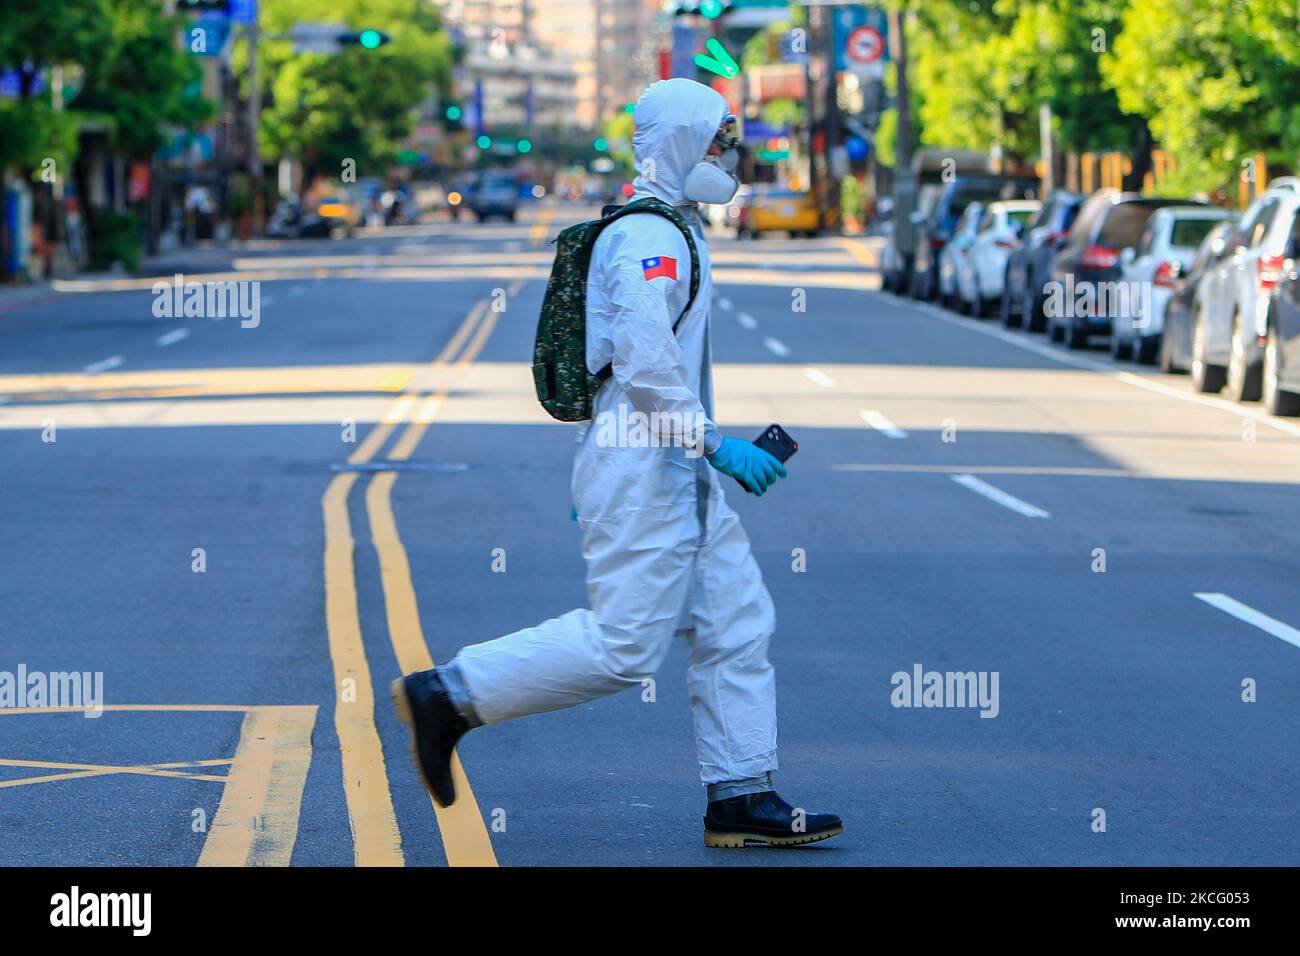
[(484, 142), (454, 113), (629, 109), (712, 9), (371, 39), (600, 145), (524, 146)]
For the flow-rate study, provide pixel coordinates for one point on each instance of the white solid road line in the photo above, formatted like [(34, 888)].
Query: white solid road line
[(776, 346), (1244, 612), (1091, 365), (818, 377), (1000, 496), (882, 424), (747, 320), (172, 337), (113, 361)]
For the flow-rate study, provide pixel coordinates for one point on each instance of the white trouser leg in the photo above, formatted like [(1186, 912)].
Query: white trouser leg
[(638, 578), (731, 683)]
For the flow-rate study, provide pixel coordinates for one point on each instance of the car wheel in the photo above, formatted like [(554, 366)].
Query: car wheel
[(1276, 400), (1145, 349), (1167, 363), (1076, 335), (1120, 347), (1206, 378), (1031, 313), (1008, 315), (1243, 383)]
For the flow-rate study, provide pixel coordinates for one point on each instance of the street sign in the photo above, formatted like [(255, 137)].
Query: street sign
[(207, 36), (316, 37), (243, 11), (861, 40)]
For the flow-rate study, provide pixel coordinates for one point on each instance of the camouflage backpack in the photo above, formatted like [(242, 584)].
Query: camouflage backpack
[(564, 386)]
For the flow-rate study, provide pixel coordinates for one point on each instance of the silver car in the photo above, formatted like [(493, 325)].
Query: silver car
[(1230, 317)]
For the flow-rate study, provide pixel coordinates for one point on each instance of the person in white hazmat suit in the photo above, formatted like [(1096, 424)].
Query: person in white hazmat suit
[(665, 553)]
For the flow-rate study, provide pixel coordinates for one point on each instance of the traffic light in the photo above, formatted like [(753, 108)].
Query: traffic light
[(709, 9), (366, 39), (484, 142), (524, 146), (600, 145), (454, 113), (204, 6)]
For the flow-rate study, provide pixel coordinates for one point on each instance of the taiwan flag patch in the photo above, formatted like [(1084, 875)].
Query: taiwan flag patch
[(657, 266)]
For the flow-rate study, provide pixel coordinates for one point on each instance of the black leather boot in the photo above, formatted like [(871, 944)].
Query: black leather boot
[(765, 818), (425, 707)]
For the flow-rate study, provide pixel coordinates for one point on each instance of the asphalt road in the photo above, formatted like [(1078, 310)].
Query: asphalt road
[(372, 485)]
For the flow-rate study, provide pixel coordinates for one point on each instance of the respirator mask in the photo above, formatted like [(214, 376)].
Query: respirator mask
[(712, 179)]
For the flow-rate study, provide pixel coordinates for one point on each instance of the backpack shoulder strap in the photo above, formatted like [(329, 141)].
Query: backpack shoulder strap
[(660, 208)]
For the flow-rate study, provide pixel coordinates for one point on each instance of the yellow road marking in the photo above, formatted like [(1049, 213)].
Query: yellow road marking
[(858, 251), (256, 823), (464, 834), (538, 232), (102, 770), (376, 838)]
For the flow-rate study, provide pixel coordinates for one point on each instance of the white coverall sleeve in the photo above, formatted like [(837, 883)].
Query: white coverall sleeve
[(648, 363)]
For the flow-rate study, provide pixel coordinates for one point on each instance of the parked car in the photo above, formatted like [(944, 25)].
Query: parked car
[(937, 228), (1230, 320), (780, 209), (1151, 270), (1030, 263), (1176, 340), (955, 252), (494, 194), (1086, 272), (914, 195), (983, 268), (1281, 375)]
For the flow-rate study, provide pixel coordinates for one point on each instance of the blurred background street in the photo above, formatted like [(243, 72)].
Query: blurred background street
[(250, 522)]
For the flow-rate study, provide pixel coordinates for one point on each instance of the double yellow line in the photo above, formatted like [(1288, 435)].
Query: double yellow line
[(376, 837)]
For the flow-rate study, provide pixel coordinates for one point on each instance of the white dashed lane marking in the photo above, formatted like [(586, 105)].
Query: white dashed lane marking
[(747, 320), (1000, 497), (1244, 612), (172, 337), (882, 424), (113, 361), (776, 346)]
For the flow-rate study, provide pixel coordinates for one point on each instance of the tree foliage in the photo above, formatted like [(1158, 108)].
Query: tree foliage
[(356, 104)]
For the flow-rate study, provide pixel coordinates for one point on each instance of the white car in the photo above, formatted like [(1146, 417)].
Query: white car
[(1230, 317), (1152, 271), (955, 252), (983, 266)]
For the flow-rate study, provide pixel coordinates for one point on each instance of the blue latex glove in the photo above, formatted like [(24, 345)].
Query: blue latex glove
[(747, 463)]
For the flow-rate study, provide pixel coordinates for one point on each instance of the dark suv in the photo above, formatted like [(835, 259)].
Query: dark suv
[(1030, 263), (1087, 272), (936, 228)]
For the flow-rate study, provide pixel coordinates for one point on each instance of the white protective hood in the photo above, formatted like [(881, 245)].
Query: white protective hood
[(675, 123)]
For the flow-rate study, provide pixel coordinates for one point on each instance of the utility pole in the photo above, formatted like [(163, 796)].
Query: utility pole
[(254, 125), (903, 139), (1045, 146)]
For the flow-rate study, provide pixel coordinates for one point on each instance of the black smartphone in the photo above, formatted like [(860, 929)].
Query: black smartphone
[(777, 443)]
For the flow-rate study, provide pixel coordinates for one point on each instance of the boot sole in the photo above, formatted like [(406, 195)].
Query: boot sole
[(403, 704), (734, 841)]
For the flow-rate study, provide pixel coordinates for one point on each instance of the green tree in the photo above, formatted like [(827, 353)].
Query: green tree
[(356, 104), (1219, 81)]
